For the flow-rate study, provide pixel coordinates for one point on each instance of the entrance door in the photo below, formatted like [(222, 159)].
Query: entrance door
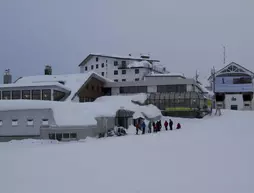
[(234, 107)]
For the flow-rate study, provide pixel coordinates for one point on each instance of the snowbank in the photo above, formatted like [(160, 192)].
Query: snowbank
[(79, 114), (140, 64), (211, 155)]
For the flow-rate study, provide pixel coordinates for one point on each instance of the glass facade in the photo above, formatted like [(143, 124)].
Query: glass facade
[(6, 95), (36, 94), (171, 88), (46, 95), (16, 94), (133, 89), (26, 94)]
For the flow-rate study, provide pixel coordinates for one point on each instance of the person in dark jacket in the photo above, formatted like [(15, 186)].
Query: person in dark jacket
[(143, 125), (154, 127), (171, 124), (150, 127), (178, 126), (166, 125), (157, 126), (137, 128), (160, 125)]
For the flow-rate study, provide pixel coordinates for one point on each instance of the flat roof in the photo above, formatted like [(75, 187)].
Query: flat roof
[(116, 57)]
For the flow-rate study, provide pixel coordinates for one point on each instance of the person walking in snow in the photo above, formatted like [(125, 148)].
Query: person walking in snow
[(137, 128), (149, 127), (171, 124), (143, 127), (154, 127), (166, 125), (178, 126), (157, 126)]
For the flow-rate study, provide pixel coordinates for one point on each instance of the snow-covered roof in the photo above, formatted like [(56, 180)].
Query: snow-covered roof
[(71, 81), (80, 114), (34, 84), (206, 91), (116, 57), (137, 64), (168, 74)]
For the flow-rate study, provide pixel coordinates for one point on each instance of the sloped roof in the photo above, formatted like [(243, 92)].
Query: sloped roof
[(71, 81), (233, 68)]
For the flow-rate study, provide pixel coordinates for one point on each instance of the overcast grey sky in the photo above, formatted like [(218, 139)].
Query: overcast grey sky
[(184, 34)]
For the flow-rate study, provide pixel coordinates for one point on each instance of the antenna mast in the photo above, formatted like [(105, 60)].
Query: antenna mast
[(224, 55)]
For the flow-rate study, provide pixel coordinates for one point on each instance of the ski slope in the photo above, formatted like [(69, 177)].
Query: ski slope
[(211, 155)]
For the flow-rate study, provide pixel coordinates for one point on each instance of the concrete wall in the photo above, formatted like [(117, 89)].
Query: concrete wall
[(109, 69), (22, 116), (239, 101)]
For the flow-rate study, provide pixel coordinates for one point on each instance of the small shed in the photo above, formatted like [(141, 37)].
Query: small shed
[(123, 118)]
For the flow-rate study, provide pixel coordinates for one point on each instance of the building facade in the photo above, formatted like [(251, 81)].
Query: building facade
[(121, 69), (233, 87)]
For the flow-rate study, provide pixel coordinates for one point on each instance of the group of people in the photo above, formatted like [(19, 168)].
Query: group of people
[(155, 126)]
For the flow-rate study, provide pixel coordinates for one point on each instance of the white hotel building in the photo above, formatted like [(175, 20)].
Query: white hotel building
[(121, 69)]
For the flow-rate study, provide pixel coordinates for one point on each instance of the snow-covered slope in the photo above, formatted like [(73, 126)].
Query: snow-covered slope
[(210, 155)]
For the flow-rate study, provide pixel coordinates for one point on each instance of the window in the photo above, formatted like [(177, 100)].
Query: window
[(58, 95), (97, 59), (86, 68), (46, 95), (59, 136), (115, 80), (171, 88), (26, 94), (52, 136), (73, 135), (14, 122), (133, 89), (233, 99), (102, 65), (136, 79), (16, 94), (1, 123), (66, 135), (115, 63), (36, 94), (92, 87), (123, 80), (136, 71), (124, 63), (97, 65), (6, 95), (115, 72), (102, 73), (123, 71), (30, 122), (0, 95), (106, 61), (246, 105), (45, 122), (92, 67)]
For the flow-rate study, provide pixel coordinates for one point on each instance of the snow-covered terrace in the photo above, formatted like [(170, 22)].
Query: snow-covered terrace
[(82, 114)]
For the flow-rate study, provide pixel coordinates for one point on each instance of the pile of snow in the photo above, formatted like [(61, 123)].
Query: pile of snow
[(207, 92), (79, 114), (71, 81), (168, 74), (140, 64), (211, 155)]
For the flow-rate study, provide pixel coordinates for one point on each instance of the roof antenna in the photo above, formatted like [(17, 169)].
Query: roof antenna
[(224, 55)]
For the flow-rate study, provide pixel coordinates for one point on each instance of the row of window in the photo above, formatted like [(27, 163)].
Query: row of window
[(123, 80), (29, 122), (44, 94), (60, 136), (133, 89), (124, 71), (96, 66), (115, 62)]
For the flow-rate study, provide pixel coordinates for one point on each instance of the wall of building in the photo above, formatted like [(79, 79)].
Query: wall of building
[(152, 89), (28, 122), (91, 91), (234, 100), (109, 68)]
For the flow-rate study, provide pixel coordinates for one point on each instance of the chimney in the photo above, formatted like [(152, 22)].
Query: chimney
[(48, 70), (7, 77)]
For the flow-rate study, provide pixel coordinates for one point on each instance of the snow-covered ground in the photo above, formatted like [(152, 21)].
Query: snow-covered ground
[(212, 155)]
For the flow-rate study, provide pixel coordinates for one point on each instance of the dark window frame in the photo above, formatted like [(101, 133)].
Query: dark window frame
[(4, 97), (26, 93), (16, 94), (46, 92), (115, 72), (123, 71), (137, 71), (38, 95)]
